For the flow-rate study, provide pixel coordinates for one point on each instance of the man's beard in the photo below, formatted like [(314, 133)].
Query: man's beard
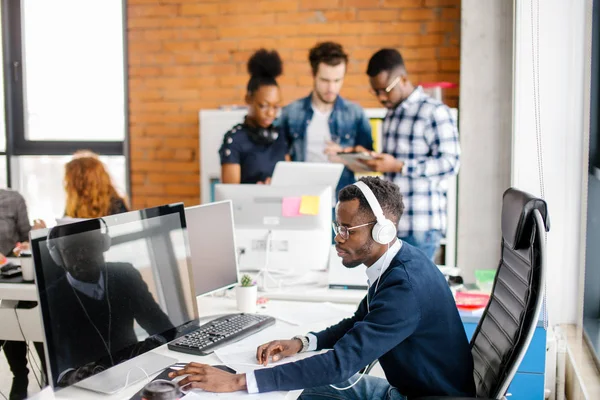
[(323, 100), (361, 253)]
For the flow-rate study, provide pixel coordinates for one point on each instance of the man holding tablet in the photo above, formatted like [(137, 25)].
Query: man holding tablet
[(421, 150), (322, 124)]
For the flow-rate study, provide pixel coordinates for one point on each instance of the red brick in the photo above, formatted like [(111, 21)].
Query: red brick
[(442, 26), (319, 4), (442, 3), (200, 9), (157, 22), (402, 4), (143, 46), (240, 19), (255, 44), (277, 6), (161, 178), (192, 190), (134, 11), (379, 15), (448, 52), (419, 53), (450, 14), (417, 15), (401, 27), (450, 65), (360, 3), (232, 81), (237, 7), (190, 34), (176, 46), (340, 15)]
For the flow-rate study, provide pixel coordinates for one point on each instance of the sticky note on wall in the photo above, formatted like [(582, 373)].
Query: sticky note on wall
[(290, 207), (309, 205)]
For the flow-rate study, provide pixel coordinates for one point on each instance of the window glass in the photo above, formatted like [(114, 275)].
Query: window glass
[(73, 70), (40, 181)]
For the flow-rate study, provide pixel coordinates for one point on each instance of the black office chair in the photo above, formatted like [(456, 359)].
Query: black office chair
[(510, 318)]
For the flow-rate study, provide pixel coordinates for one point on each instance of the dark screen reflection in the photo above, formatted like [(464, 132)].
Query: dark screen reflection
[(92, 304)]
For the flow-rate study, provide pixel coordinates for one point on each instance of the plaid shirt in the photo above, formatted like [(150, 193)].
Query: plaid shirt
[(14, 223), (422, 133)]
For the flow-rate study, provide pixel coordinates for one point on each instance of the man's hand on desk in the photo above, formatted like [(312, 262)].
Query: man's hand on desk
[(277, 349), (209, 378)]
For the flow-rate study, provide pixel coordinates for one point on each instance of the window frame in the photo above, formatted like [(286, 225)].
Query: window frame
[(17, 143)]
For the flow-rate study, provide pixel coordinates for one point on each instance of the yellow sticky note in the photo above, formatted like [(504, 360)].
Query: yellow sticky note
[(309, 205)]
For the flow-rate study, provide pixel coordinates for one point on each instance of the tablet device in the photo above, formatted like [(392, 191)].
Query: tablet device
[(355, 156)]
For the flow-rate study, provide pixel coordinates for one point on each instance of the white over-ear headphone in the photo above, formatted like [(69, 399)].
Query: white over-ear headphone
[(384, 231), (55, 254)]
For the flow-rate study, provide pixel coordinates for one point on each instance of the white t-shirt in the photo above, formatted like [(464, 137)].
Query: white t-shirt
[(317, 136)]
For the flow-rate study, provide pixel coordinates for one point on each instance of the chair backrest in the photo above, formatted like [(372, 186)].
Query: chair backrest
[(510, 318)]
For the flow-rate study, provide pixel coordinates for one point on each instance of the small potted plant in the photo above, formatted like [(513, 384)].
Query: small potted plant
[(246, 294)]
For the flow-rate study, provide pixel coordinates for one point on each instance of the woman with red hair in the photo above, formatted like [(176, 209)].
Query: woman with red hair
[(90, 192)]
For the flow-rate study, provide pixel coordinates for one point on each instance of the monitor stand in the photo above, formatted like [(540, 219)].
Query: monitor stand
[(119, 377)]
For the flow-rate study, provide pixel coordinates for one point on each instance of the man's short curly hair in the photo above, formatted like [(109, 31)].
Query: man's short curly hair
[(329, 53), (387, 193)]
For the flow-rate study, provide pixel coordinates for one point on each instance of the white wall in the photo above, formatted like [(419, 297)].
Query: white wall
[(561, 76), (485, 130)]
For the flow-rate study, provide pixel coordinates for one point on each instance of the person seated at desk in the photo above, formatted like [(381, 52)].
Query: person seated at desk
[(408, 320), (94, 304), (251, 149), (90, 192), (14, 238)]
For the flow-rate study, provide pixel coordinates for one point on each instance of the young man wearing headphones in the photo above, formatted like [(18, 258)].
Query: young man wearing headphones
[(408, 320)]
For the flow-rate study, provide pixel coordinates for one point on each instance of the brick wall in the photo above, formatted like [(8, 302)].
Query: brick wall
[(185, 55)]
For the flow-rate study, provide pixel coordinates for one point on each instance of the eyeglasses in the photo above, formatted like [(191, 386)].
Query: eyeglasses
[(344, 231), (378, 92)]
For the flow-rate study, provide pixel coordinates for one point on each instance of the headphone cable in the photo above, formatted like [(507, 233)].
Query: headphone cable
[(106, 346)]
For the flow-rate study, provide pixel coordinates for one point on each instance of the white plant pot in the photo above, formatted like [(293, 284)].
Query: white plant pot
[(246, 298)]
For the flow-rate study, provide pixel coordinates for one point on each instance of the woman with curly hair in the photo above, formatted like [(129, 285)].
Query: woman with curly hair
[(90, 192), (251, 149)]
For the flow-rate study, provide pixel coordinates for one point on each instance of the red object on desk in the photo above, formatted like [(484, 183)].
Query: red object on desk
[(471, 301)]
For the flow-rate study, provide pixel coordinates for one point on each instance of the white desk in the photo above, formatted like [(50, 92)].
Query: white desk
[(210, 306), (30, 319), (315, 291)]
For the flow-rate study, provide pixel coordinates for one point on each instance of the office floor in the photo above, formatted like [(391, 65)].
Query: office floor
[(6, 377)]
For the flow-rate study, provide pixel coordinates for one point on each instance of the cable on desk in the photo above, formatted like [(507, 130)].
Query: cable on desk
[(129, 374), (28, 350)]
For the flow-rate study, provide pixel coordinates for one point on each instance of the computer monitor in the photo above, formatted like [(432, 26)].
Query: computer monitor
[(307, 174), (294, 220), (212, 246), (111, 290)]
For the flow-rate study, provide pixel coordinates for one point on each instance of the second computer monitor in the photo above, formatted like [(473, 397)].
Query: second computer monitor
[(294, 220), (212, 246)]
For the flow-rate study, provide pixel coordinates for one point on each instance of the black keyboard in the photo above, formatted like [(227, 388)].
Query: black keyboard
[(220, 332)]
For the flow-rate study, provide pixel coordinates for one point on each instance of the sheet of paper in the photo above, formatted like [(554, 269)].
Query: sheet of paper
[(290, 206), (245, 361), (309, 205)]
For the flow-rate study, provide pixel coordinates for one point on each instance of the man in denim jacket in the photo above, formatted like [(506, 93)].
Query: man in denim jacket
[(323, 123)]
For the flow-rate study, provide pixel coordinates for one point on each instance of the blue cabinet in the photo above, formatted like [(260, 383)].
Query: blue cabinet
[(528, 383)]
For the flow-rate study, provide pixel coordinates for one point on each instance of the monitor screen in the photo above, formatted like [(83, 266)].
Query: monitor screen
[(111, 289), (212, 246)]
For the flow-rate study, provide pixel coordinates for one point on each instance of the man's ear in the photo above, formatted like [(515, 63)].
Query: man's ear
[(248, 98)]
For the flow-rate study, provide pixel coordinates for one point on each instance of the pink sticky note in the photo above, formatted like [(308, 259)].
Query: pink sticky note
[(291, 206)]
